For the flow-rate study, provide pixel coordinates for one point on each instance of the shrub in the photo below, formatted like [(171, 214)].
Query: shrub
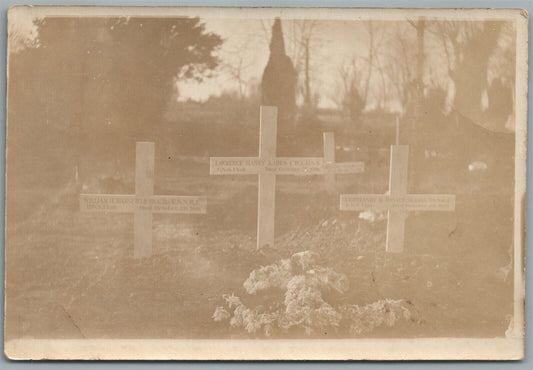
[(384, 312), (295, 290)]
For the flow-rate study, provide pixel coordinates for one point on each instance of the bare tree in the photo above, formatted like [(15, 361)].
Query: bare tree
[(351, 85), (400, 63), (303, 48), (306, 39), (420, 27), (237, 64), (370, 29)]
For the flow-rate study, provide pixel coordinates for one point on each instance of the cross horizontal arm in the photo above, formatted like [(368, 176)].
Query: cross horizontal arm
[(344, 167), (132, 203), (301, 166), (409, 202)]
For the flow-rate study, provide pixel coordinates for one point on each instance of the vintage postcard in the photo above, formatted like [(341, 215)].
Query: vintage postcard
[(265, 183)]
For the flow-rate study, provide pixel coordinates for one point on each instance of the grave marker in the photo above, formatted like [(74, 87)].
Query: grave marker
[(267, 181), (397, 202), (329, 158), (267, 166), (144, 203)]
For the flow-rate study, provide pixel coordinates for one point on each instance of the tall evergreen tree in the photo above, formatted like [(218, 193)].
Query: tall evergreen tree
[(279, 79)]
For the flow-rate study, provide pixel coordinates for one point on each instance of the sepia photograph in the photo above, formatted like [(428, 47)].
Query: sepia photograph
[(208, 183)]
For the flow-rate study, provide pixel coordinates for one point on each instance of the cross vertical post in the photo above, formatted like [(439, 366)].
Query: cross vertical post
[(329, 158), (397, 130), (267, 181), (397, 187), (144, 189)]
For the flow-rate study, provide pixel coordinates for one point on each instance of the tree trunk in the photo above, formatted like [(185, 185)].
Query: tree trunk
[(420, 28), (307, 83)]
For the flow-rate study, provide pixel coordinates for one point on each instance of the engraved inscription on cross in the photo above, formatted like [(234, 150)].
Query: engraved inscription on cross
[(267, 166), (397, 202), (144, 203)]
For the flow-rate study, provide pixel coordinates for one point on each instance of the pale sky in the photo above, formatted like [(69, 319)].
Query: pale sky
[(248, 39)]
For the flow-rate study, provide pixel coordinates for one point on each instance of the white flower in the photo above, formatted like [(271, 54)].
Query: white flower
[(221, 314), (232, 300)]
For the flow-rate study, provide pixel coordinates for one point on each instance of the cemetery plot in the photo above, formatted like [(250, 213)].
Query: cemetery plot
[(305, 257)]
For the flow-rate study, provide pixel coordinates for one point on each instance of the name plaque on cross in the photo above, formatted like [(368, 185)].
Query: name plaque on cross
[(267, 166), (280, 166), (409, 202), (131, 203), (397, 202), (143, 204)]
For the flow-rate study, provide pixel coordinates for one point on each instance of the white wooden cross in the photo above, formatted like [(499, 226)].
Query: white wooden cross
[(333, 168), (267, 166), (144, 203), (397, 202)]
